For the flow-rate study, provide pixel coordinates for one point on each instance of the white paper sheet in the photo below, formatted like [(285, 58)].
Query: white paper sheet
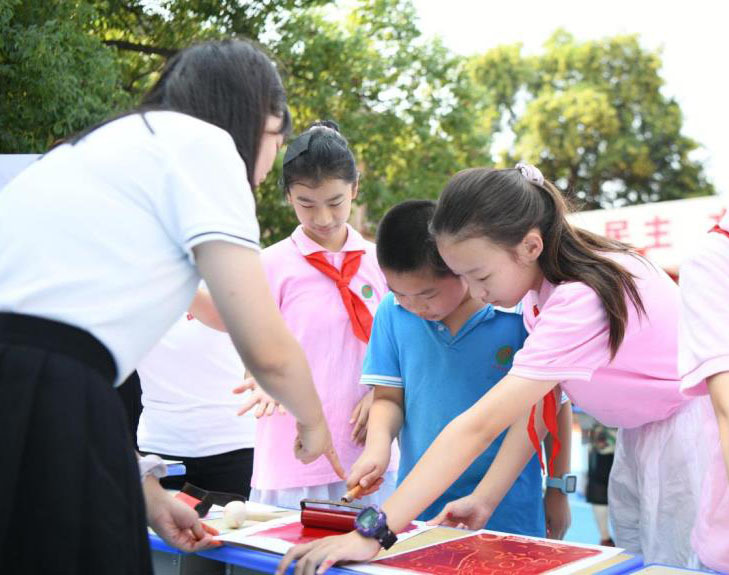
[(248, 535)]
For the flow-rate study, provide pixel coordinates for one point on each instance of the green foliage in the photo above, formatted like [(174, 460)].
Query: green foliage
[(594, 119), (406, 106), (592, 114), (55, 78)]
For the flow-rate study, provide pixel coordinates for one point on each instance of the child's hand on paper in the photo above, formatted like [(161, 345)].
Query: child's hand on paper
[(318, 556), (175, 522), (368, 470), (360, 415), (264, 403), (470, 512)]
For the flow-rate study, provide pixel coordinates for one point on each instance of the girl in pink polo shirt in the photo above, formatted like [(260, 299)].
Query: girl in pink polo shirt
[(327, 284), (602, 325), (704, 365)]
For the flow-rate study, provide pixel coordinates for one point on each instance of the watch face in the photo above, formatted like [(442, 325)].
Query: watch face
[(368, 518), (369, 521), (571, 484)]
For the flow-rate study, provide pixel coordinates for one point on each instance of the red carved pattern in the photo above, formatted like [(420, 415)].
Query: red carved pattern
[(490, 554)]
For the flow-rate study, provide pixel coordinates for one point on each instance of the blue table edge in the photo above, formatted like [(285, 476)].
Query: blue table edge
[(266, 562), (253, 559)]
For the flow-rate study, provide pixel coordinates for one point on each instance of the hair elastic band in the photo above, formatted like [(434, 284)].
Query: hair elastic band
[(299, 146), (531, 173)]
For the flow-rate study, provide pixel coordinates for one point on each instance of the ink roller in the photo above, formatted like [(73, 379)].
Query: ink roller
[(331, 515)]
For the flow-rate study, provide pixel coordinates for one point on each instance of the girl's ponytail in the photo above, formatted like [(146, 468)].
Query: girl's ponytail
[(503, 205)]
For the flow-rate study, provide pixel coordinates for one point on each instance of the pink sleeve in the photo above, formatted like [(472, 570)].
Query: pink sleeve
[(570, 337), (270, 258), (704, 320)]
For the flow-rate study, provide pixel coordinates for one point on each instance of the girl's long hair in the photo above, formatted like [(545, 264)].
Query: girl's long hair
[(503, 206), (231, 84)]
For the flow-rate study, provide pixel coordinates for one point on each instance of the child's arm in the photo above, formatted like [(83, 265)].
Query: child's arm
[(385, 421), (474, 510), (556, 504), (238, 286), (719, 390), (360, 417), (446, 459), (204, 310)]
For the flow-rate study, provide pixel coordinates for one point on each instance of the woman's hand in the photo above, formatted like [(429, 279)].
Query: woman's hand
[(318, 556), (175, 522), (315, 440)]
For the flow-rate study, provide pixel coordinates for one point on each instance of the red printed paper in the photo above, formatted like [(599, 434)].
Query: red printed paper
[(297, 533), (490, 554)]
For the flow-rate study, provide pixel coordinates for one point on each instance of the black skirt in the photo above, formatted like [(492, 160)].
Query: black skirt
[(598, 475), (70, 496)]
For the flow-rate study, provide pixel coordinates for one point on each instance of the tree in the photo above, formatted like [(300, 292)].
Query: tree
[(55, 79), (593, 116), (590, 114), (405, 105)]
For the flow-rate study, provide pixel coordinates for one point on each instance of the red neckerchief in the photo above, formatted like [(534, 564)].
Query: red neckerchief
[(549, 414), (359, 315), (718, 229)]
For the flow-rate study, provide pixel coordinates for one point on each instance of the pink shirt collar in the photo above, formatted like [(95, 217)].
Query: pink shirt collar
[(307, 246)]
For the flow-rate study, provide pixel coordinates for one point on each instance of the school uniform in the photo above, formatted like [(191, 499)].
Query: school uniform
[(703, 352), (190, 410), (312, 306), (96, 264), (441, 376), (655, 480)]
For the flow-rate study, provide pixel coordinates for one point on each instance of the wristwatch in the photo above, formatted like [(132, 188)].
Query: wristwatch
[(372, 523), (566, 484)]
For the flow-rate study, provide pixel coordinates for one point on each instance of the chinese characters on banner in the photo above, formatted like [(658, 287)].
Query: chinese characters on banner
[(665, 232)]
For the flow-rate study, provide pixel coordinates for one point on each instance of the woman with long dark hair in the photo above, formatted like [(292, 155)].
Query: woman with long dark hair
[(102, 245)]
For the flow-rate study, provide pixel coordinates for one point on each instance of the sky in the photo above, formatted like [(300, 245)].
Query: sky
[(693, 37)]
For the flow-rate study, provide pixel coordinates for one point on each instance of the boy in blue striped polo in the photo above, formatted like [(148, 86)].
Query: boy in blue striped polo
[(435, 351)]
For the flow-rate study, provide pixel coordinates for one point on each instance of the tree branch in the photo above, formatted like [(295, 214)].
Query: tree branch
[(144, 48)]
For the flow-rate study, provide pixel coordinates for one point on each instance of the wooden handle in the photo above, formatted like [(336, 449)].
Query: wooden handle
[(353, 494)]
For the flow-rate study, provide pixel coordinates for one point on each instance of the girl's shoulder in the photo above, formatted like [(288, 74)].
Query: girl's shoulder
[(282, 251)]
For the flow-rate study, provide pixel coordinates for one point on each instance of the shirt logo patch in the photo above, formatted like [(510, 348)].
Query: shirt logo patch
[(367, 291), (504, 354)]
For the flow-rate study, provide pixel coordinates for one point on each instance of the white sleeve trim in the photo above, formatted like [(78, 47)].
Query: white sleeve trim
[(545, 373), (203, 237), (384, 380), (693, 382)]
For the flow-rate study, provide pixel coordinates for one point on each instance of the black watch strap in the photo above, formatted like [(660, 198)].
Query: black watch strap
[(386, 538)]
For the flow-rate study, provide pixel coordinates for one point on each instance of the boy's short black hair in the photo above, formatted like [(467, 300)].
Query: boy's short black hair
[(404, 243)]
